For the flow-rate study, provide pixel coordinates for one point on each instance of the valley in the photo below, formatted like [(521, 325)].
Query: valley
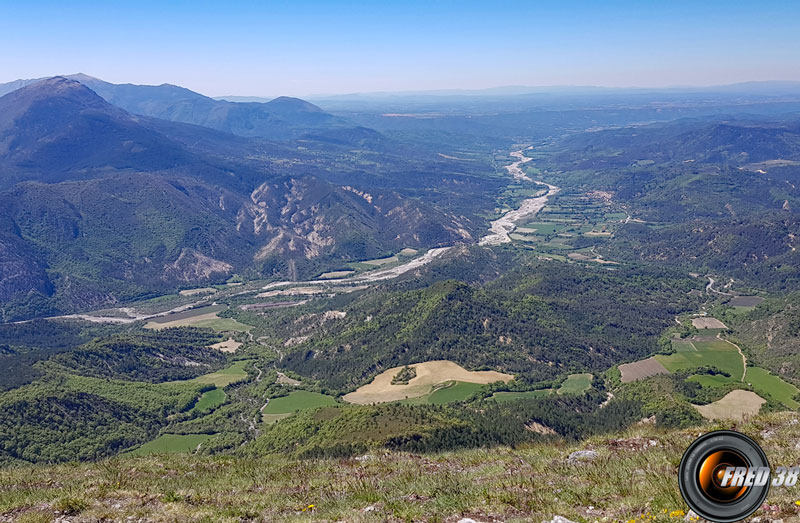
[(279, 285)]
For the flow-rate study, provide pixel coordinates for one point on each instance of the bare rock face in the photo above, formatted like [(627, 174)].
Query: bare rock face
[(308, 218), (192, 266)]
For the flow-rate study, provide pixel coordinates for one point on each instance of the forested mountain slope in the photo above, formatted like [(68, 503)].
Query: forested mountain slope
[(100, 205)]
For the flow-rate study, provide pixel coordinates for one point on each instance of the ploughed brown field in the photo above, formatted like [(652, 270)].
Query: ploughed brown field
[(641, 369)]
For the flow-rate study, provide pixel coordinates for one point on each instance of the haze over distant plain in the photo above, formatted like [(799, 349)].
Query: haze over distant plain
[(316, 47)]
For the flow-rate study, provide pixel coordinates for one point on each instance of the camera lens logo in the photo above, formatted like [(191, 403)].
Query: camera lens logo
[(724, 476)]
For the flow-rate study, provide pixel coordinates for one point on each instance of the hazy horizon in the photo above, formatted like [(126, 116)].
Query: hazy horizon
[(317, 48), (444, 91)]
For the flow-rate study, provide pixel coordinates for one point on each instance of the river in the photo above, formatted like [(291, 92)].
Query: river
[(499, 232)]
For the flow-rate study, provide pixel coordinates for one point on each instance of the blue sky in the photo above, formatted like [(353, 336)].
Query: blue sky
[(312, 47)]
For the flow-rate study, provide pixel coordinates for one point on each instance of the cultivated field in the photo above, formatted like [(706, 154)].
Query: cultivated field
[(189, 315), (224, 377), (735, 405), (222, 325), (453, 391), (283, 379), (285, 406), (717, 353), (380, 261), (576, 384), (683, 346), (764, 382), (298, 400), (447, 392), (745, 303), (707, 323), (229, 345), (209, 400), (429, 374), (194, 292), (171, 444), (641, 369), (567, 217), (200, 317)]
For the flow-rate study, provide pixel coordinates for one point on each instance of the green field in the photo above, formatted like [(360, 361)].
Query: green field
[(453, 391), (224, 377), (446, 392), (199, 317), (764, 383), (298, 400), (682, 346), (188, 314), (209, 400), (171, 444), (544, 228), (576, 384), (716, 353), (767, 383), (377, 262), (510, 396), (571, 216), (223, 324)]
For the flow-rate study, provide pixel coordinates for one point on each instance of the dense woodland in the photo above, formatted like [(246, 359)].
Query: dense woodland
[(345, 431), (710, 197), (87, 223), (539, 321), (173, 354)]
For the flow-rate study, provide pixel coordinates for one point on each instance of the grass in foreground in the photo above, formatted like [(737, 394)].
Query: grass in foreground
[(630, 479)]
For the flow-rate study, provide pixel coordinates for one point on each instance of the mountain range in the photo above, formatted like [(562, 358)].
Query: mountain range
[(283, 118), (99, 204)]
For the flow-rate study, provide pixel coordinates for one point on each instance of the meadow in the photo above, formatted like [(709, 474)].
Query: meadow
[(209, 400), (200, 317), (171, 443), (576, 384), (447, 392), (224, 377), (715, 353), (298, 400)]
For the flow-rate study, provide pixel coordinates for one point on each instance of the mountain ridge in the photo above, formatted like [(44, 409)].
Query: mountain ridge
[(283, 118), (100, 206)]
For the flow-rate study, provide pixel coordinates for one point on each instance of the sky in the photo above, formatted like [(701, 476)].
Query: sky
[(302, 48)]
